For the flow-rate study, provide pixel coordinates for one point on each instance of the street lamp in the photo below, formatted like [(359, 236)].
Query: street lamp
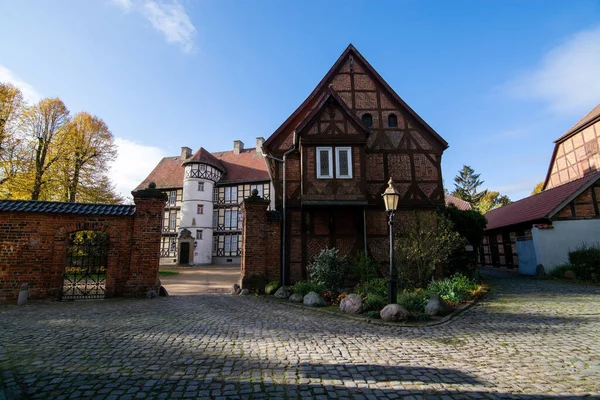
[(390, 199)]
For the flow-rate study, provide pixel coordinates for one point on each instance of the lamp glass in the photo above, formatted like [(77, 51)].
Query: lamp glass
[(391, 197)]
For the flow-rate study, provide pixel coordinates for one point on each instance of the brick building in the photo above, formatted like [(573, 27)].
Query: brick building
[(541, 229)]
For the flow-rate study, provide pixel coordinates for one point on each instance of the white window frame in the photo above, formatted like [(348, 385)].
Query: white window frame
[(201, 186), (172, 221), (338, 150), (199, 234), (199, 209), (318, 154), (173, 197)]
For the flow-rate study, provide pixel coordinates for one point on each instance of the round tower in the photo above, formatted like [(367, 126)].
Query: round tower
[(201, 171)]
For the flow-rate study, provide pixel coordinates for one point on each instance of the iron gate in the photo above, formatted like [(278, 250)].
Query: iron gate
[(85, 272)]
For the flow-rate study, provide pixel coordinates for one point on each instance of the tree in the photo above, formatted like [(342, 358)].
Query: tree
[(538, 188), (466, 184), (426, 239), (11, 106), (89, 149), (44, 124), (491, 200)]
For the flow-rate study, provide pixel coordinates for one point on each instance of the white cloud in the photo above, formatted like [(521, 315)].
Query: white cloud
[(167, 17), (566, 77), (30, 95), (133, 164)]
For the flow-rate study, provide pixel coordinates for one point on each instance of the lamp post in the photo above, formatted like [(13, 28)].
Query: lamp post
[(390, 199)]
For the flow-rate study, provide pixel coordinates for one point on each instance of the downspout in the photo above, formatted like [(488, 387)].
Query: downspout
[(283, 241)]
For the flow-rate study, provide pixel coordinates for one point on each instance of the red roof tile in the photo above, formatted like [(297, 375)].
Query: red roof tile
[(203, 156), (458, 203), (248, 166), (589, 118), (538, 206)]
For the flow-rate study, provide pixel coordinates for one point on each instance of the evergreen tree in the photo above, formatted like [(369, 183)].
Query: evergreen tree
[(466, 184)]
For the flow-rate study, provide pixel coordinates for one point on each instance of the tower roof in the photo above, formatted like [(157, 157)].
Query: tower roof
[(204, 157)]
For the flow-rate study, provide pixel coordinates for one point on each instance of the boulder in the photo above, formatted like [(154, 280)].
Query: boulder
[(569, 274), (151, 294), (436, 306), (271, 287), (244, 292), (394, 313), (235, 289), (162, 291), (313, 299), (296, 298), (283, 292), (351, 304)]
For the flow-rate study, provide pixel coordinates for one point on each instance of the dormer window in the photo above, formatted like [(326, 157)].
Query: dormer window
[(324, 163), (392, 121), (367, 120)]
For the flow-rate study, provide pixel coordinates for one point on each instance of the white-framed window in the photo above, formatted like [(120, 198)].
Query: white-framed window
[(202, 167), (343, 162), (228, 243), (172, 221), (215, 218), (173, 197), (201, 186), (199, 234), (231, 194), (200, 209), (324, 163), (231, 219), (215, 195)]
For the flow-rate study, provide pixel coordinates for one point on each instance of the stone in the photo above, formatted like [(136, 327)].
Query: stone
[(235, 289), (540, 272), (351, 304), (151, 294), (393, 313), (296, 298), (436, 306), (244, 292), (283, 292), (569, 274), (271, 287), (314, 299), (23, 294), (162, 291)]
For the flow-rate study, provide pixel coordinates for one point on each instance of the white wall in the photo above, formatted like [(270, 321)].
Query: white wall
[(552, 246)]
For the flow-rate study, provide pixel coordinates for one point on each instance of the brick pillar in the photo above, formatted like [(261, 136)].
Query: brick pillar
[(261, 244), (145, 245)]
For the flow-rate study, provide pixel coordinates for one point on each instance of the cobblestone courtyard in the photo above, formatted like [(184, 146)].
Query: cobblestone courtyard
[(531, 339)]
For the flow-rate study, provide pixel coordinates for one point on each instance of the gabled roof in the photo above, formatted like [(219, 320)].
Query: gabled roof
[(351, 50), (589, 119), (456, 202), (204, 157), (543, 205), (248, 166), (331, 95), (66, 208)]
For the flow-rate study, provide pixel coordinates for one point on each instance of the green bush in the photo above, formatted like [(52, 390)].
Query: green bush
[(414, 301), (586, 260), (376, 287), (364, 268), (328, 269), (455, 289), (372, 314), (559, 271), (470, 225), (304, 287), (375, 302)]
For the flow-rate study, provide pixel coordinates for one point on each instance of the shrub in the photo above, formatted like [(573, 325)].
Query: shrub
[(304, 287), (414, 301), (374, 302), (559, 271), (376, 287), (470, 225), (586, 260), (331, 297), (372, 314), (455, 289), (328, 268), (364, 268)]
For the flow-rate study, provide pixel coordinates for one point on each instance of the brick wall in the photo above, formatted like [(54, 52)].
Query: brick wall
[(34, 245), (261, 244)]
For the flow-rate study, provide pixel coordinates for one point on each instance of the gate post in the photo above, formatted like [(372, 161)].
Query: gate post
[(261, 244), (145, 242)]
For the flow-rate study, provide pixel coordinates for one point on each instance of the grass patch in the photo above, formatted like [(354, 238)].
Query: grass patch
[(167, 272)]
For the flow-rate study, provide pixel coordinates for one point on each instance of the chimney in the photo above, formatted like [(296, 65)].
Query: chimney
[(259, 144), (238, 146), (186, 153)]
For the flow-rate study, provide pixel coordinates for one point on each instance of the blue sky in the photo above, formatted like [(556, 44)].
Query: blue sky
[(499, 80)]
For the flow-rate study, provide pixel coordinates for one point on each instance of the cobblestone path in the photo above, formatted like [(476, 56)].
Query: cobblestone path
[(531, 339)]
